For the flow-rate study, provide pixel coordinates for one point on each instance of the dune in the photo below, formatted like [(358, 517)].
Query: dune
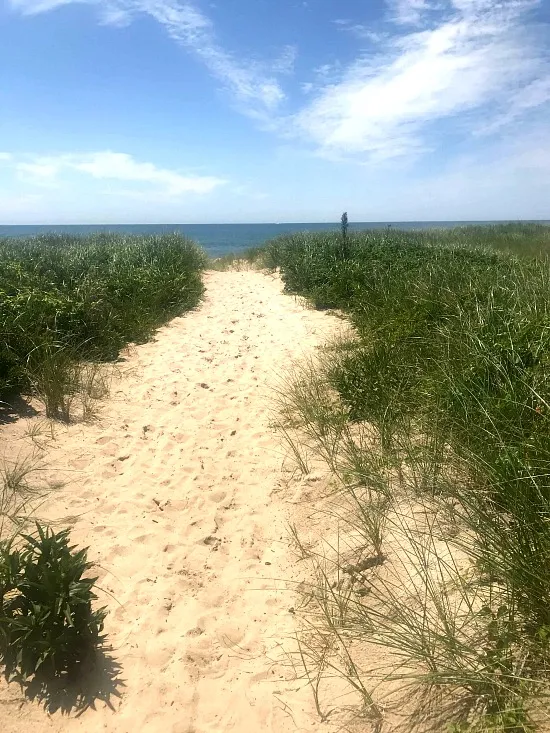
[(177, 490)]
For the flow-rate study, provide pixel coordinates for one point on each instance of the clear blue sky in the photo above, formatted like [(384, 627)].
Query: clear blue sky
[(172, 111)]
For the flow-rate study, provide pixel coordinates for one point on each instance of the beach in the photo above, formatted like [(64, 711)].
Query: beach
[(178, 490), (306, 498)]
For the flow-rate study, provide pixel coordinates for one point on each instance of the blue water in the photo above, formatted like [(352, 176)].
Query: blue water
[(218, 239)]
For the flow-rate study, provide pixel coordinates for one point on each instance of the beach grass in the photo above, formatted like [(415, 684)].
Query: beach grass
[(434, 418), (522, 239), (69, 301), (237, 260), (431, 591)]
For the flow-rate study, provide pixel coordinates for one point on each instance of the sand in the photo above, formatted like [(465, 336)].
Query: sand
[(177, 489)]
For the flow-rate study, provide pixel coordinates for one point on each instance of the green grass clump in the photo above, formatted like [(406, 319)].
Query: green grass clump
[(447, 385), (237, 261), (66, 299), (47, 623)]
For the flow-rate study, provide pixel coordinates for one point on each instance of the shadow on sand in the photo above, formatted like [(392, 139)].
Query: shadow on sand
[(13, 408), (97, 680)]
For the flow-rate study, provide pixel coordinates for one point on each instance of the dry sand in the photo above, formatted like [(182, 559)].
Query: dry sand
[(177, 489)]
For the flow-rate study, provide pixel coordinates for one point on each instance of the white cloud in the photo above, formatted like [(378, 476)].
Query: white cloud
[(472, 63), (359, 30), (108, 165), (5, 156), (531, 97), (33, 7), (285, 63), (255, 88), (260, 93), (123, 167), (408, 12), (477, 65), (39, 172), (115, 16), (323, 76)]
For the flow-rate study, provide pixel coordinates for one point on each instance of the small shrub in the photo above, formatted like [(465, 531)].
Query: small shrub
[(46, 619)]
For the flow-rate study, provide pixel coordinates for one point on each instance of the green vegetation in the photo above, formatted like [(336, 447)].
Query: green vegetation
[(46, 620), (435, 419), (519, 239), (240, 261), (68, 300), (18, 495)]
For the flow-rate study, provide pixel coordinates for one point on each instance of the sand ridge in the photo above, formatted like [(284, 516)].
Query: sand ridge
[(177, 492)]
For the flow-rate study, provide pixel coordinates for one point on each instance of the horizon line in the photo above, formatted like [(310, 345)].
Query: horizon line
[(278, 223)]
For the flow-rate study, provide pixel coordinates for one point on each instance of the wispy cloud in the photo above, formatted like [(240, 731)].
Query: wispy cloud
[(322, 77), (285, 63), (477, 65), (253, 85), (482, 58), (108, 165), (122, 167), (409, 12), (33, 7), (361, 31), (531, 97), (39, 172)]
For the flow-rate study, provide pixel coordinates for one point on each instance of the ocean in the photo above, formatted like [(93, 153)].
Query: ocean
[(220, 239)]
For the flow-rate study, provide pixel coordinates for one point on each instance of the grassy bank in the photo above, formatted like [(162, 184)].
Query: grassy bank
[(237, 261), (64, 300), (531, 240), (435, 419)]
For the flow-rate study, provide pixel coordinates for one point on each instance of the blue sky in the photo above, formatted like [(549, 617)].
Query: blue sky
[(172, 111)]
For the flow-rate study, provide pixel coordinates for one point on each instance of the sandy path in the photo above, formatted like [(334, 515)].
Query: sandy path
[(177, 493)]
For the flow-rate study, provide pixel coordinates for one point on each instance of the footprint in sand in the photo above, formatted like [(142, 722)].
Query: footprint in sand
[(104, 439), (217, 496), (111, 449), (81, 463), (188, 571)]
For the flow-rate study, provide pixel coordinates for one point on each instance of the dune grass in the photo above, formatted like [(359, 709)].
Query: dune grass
[(435, 420), (67, 301), (237, 260)]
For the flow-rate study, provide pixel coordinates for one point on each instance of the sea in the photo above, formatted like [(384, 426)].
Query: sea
[(221, 239)]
